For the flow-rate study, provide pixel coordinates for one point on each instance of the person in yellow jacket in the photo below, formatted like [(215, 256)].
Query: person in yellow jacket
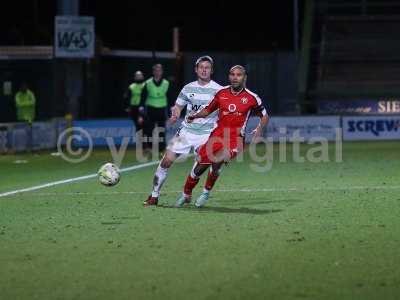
[(154, 103), (133, 96), (25, 103)]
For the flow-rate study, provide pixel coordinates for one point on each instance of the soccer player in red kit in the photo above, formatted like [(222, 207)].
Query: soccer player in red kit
[(234, 103)]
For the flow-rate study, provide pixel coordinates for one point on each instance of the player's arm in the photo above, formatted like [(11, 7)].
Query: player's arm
[(260, 111), (211, 107), (181, 101), (258, 131), (176, 111), (263, 121), (201, 114)]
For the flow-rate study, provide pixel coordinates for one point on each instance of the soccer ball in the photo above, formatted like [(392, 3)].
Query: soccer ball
[(109, 174)]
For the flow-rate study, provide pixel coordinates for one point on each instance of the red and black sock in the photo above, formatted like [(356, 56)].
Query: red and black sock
[(190, 184), (211, 179)]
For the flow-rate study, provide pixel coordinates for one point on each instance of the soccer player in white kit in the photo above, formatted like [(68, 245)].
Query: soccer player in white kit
[(195, 96)]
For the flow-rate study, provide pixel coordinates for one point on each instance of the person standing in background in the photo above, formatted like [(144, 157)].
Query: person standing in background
[(154, 103), (25, 103), (133, 97)]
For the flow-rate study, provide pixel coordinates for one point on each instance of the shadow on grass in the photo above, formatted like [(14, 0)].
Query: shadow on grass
[(261, 201), (226, 210)]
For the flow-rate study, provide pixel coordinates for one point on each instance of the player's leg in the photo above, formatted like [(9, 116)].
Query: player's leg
[(191, 181), (220, 157), (212, 177), (205, 155), (160, 176), (179, 145)]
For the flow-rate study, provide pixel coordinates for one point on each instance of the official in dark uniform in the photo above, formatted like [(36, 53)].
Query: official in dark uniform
[(154, 104)]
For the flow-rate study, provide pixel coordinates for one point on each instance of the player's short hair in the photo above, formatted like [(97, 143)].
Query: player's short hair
[(205, 58), (238, 67)]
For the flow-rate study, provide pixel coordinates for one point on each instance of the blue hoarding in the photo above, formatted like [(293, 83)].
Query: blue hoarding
[(364, 106), (371, 128), (100, 130)]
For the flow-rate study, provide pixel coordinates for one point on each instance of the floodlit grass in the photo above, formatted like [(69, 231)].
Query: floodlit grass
[(300, 231)]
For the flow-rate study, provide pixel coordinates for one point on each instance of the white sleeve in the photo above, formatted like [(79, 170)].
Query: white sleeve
[(182, 99)]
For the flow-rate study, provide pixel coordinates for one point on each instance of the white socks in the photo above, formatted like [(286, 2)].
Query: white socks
[(158, 181)]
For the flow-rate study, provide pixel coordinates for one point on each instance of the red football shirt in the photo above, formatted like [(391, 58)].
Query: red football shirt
[(234, 110)]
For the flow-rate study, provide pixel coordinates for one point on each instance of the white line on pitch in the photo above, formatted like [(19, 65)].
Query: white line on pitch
[(46, 185)]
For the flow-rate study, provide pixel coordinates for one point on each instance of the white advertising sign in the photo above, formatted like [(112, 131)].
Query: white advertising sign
[(74, 37)]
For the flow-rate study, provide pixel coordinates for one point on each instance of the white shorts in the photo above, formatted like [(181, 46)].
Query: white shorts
[(184, 141)]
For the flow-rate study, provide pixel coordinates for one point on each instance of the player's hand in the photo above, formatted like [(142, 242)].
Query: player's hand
[(174, 115), (172, 120), (141, 110), (257, 134), (140, 120), (190, 118)]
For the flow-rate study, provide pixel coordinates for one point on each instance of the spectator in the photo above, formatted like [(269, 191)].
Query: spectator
[(155, 99), (25, 103), (133, 96)]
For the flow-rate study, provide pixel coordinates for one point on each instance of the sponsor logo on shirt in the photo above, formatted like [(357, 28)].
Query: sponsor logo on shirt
[(232, 107)]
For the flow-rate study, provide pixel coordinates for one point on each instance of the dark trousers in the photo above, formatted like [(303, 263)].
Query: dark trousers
[(134, 114), (155, 117)]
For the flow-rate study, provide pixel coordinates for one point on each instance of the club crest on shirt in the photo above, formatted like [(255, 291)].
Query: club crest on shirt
[(191, 95), (244, 100)]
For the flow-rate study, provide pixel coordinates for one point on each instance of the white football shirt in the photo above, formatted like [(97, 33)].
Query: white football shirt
[(196, 97)]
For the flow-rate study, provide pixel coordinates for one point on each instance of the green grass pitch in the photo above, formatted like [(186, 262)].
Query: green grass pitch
[(300, 231)]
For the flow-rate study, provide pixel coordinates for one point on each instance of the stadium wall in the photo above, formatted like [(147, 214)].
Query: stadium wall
[(99, 84)]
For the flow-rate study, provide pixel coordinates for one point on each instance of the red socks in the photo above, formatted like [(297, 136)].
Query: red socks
[(211, 179), (190, 185)]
